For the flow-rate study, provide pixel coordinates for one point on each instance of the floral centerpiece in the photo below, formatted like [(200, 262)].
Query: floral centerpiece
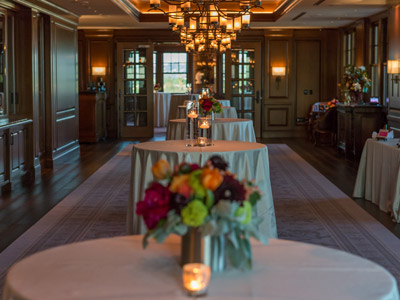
[(209, 105), (354, 83), (209, 199), (157, 87), (332, 103)]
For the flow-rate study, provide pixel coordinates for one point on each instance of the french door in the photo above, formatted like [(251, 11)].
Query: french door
[(135, 89), (243, 81)]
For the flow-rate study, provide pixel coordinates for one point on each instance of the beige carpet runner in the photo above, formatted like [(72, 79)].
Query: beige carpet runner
[(308, 207)]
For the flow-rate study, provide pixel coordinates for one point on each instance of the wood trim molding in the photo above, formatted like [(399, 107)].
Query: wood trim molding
[(51, 9), (285, 109)]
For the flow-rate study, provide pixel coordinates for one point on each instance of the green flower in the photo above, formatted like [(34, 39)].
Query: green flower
[(244, 213), (194, 213), (195, 184)]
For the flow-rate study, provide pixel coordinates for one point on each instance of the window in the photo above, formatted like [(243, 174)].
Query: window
[(349, 48), (154, 68), (174, 72), (374, 59)]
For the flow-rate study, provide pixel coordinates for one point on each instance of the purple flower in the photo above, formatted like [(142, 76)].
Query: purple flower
[(230, 189), (218, 162)]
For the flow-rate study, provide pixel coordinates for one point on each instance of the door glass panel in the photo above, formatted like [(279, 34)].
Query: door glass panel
[(129, 56), (135, 88), (129, 103), (129, 119), (129, 72), (141, 103), (248, 103), (129, 87), (3, 90), (242, 71)]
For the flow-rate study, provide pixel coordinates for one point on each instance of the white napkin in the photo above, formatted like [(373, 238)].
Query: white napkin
[(374, 134), (390, 135)]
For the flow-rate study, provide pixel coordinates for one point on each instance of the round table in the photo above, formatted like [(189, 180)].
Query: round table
[(118, 268), (161, 108), (247, 160), (179, 99), (227, 112), (222, 129)]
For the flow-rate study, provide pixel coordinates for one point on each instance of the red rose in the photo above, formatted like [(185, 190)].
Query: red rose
[(155, 205), (207, 105)]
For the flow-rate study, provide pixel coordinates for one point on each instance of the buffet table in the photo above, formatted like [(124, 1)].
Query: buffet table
[(378, 177), (161, 108), (222, 129), (118, 268), (179, 99), (247, 160), (227, 112)]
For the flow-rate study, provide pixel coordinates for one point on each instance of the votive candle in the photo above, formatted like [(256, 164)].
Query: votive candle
[(196, 278)]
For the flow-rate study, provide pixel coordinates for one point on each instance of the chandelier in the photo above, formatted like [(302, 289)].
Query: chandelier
[(203, 25)]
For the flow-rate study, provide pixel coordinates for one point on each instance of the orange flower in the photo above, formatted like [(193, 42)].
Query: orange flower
[(161, 169), (211, 179), (180, 185)]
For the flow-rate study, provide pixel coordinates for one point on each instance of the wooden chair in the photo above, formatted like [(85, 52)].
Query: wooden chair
[(326, 124)]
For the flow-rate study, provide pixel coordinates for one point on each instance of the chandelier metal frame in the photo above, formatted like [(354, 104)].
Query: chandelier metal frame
[(203, 25)]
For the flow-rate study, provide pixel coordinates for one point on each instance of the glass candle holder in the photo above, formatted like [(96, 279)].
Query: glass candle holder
[(202, 141), (196, 278), (192, 112), (205, 129)]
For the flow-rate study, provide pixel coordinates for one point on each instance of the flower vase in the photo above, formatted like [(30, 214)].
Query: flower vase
[(204, 131), (192, 113), (209, 250)]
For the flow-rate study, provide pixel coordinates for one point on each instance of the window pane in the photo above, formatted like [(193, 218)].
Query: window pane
[(174, 83), (174, 72)]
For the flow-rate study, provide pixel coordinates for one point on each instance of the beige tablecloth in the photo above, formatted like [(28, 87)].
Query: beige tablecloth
[(247, 160), (227, 112), (161, 108), (179, 99), (222, 129), (378, 177), (119, 269)]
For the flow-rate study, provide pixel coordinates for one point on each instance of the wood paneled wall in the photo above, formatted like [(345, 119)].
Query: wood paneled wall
[(286, 102), (46, 78)]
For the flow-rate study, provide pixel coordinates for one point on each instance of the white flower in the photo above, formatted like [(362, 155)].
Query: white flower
[(362, 68), (357, 87)]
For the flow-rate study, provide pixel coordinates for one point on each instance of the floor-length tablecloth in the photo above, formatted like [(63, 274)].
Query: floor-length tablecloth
[(222, 129), (161, 108), (179, 99), (378, 177), (247, 160), (227, 112), (119, 269)]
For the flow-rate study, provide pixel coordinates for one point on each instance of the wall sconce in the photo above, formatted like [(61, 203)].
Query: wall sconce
[(393, 67), (277, 72), (98, 71)]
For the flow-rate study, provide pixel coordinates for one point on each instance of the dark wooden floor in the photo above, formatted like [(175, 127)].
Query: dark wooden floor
[(25, 205)]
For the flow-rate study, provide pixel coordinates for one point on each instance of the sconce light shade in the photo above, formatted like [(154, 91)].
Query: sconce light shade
[(278, 71), (393, 66), (98, 71)]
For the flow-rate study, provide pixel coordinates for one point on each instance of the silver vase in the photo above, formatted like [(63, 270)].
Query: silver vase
[(209, 250)]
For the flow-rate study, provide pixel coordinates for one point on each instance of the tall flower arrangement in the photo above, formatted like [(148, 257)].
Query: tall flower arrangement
[(355, 81), (209, 104), (208, 198)]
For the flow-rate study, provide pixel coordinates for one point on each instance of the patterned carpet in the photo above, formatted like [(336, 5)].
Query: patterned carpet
[(308, 207)]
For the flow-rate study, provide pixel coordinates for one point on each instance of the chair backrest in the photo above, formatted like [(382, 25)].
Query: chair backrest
[(329, 120)]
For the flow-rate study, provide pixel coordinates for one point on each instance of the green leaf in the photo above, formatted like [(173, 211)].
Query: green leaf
[(232, 237), (210, 199), (180, 229)]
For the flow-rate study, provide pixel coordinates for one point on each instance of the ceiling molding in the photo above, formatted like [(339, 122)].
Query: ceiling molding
[(51, 9), (129, 8)]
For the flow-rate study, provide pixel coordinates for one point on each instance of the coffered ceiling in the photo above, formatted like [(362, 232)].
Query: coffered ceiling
[(276, 13)]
